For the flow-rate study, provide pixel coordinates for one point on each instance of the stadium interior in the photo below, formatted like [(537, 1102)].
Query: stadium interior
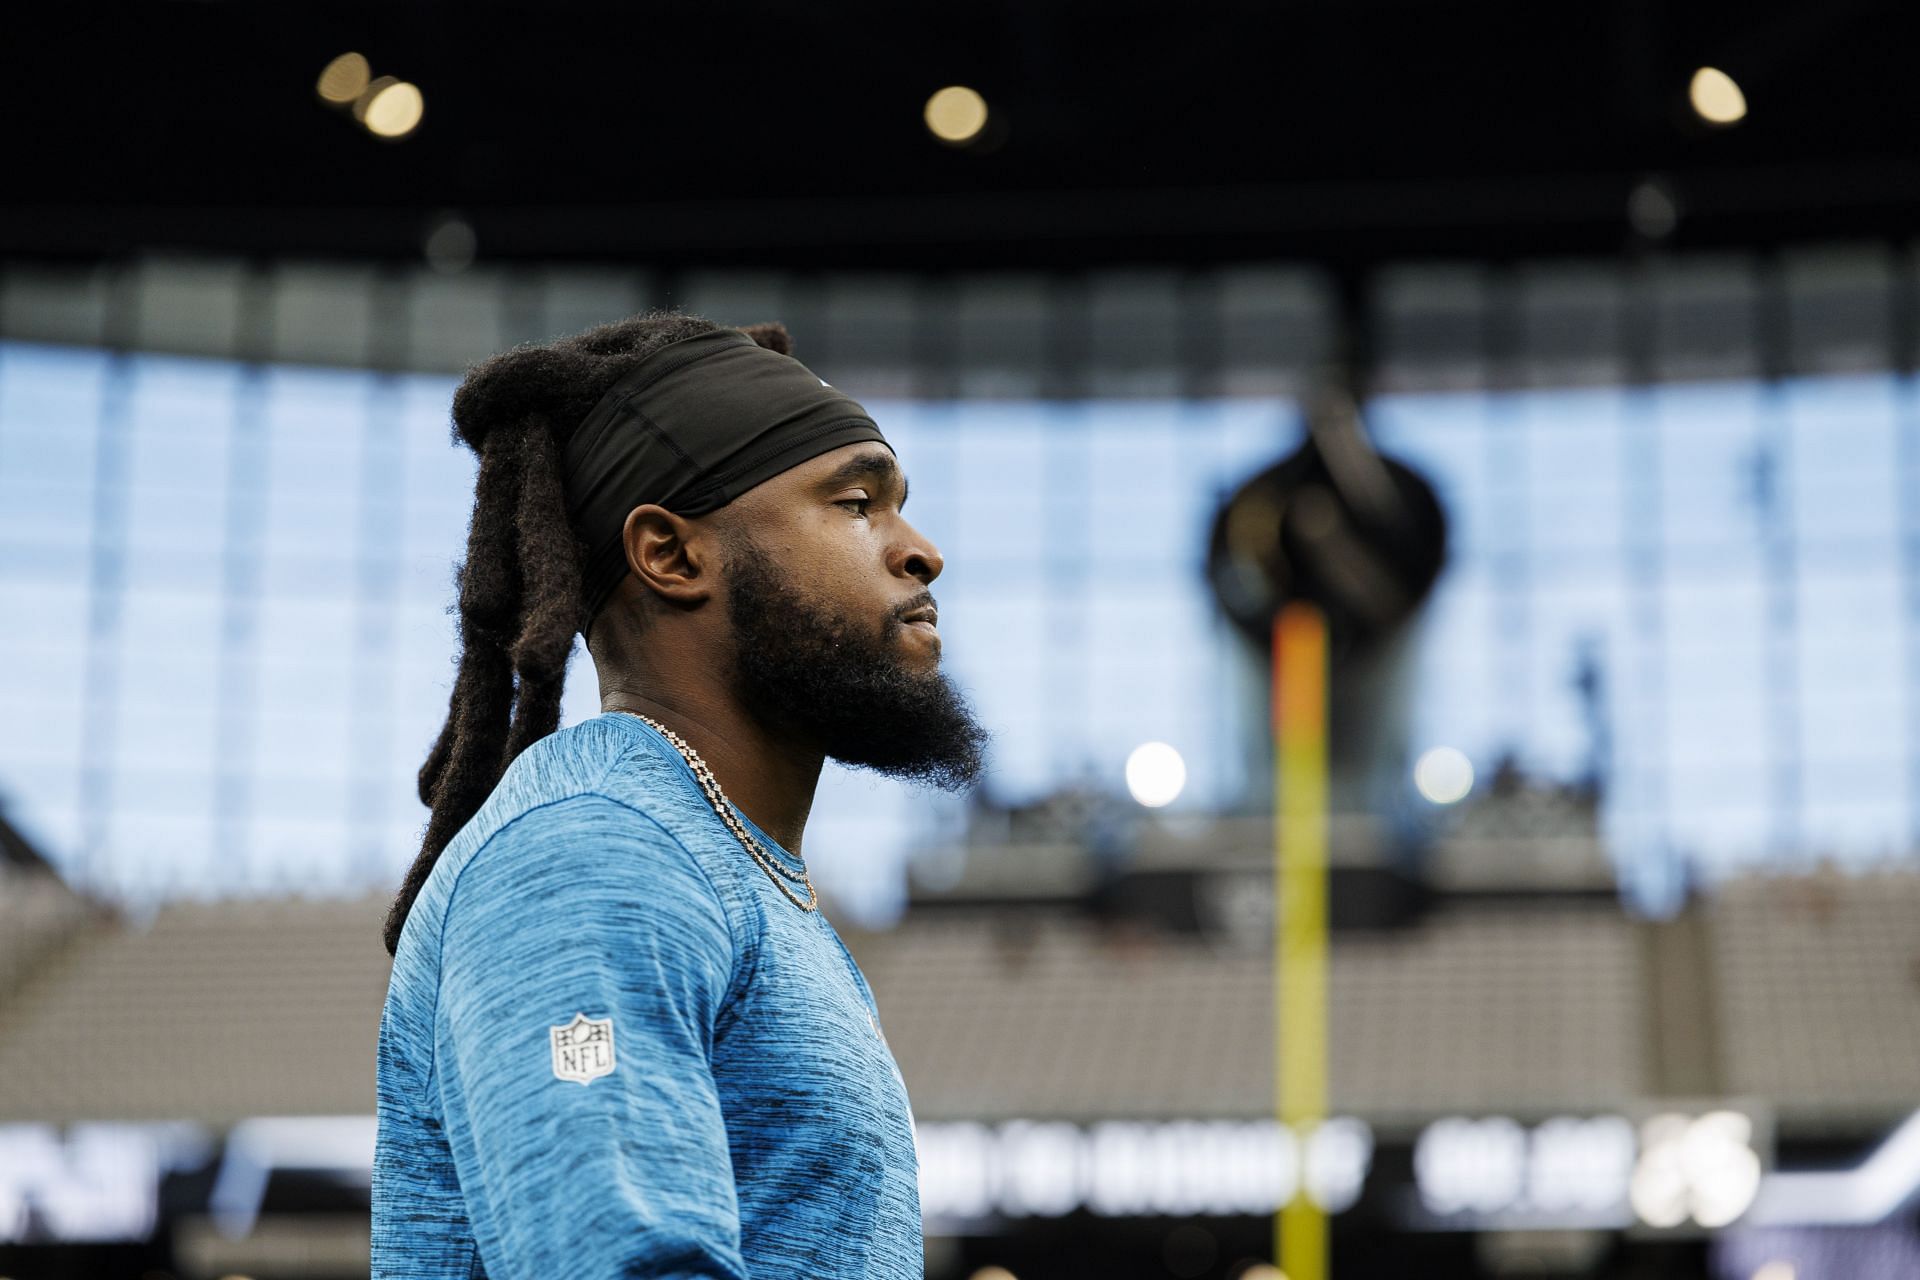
[(1615, 392)]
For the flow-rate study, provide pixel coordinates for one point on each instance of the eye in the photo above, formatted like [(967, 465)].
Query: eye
[(860, 504)]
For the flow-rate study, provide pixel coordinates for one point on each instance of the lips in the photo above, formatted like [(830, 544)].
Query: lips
[(925, 618)]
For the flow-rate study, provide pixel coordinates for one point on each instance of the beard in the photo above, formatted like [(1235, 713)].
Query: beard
[(841, 683)]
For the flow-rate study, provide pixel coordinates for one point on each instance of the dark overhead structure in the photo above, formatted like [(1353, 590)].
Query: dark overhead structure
[(1335, 524), (792, 135)]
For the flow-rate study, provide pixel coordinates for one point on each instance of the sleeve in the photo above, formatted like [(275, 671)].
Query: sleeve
[(585, 959)]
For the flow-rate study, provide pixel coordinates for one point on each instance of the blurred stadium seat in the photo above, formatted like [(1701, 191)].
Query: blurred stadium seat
[(213, 1012), (217, 1012), (1819, 990), (38, 914)]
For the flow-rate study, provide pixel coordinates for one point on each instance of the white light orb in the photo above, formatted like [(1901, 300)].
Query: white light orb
[(1658, 1192), (1443, 775), (1156, 775), (955, 114), (1716, 98), (1721, 1166), (390, 108)]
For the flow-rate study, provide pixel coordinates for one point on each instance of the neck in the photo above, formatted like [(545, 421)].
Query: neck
[(769, 779)]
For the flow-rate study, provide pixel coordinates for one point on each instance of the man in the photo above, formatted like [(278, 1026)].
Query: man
[(620, 1040)]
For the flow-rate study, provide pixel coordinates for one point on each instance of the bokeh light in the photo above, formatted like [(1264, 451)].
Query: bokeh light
[(1156, 774), (1716, 98), (391, 108), (1443, 775), (956, 114), (344, 79), (450, 245)]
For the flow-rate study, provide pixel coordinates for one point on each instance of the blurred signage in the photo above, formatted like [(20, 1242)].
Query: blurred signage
[(1886, 1182), (1672, 1169), (90, 1183), (1471, 1172), (1022, 1168)]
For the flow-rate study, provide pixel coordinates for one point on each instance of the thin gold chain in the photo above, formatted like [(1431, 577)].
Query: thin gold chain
[(776, 870)]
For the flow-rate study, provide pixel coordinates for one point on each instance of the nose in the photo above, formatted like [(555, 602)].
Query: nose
[(916, 556)]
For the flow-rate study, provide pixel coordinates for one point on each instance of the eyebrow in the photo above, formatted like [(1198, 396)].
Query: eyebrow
[(879, 466)]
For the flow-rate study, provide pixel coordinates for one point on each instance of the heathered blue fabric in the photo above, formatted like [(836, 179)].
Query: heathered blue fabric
[(753, 1123)]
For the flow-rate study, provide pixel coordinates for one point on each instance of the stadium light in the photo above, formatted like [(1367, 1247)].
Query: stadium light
[(390, 108), (955, 114), (1443, 775), (1156, 775), (1716, 98), (344, 79)]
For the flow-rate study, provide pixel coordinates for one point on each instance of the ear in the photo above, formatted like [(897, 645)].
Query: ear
[(668, 554)]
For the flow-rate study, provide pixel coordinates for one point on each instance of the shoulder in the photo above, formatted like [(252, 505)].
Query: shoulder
[(578, 758), (576, 848), (581, 839), (557, 790), (559, 825), (579, 885)]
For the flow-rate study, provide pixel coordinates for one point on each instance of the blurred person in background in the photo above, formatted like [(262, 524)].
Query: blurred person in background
[(620, 1039)]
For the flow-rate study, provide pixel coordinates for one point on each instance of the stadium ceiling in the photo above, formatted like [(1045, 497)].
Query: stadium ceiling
[(792, 134)]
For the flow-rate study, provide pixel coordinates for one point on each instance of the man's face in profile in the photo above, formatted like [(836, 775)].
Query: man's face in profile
[(833, 626)]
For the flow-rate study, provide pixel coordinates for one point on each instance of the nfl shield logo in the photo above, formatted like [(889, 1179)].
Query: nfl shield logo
[(583, 1048)]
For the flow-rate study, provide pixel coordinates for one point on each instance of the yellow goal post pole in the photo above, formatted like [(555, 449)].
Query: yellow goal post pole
[(1300, 679)]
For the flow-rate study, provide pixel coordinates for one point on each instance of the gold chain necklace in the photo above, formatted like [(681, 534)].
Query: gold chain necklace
[(776, 870)]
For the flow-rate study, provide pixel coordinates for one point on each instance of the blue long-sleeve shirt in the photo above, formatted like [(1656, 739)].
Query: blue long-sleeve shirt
[(611, 1048)]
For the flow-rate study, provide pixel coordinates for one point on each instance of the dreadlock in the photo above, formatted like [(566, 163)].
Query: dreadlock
[(520, 596)]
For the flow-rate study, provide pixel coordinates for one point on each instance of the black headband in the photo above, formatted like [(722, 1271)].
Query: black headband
[(698, 423)]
